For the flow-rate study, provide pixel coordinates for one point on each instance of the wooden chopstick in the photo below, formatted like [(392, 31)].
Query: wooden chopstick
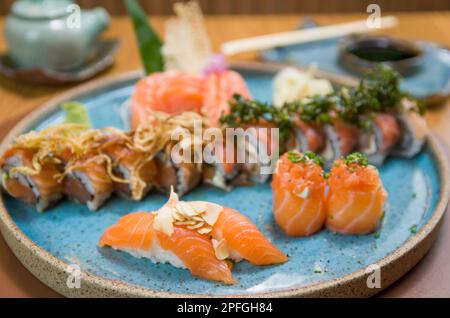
[(271, 67), (269, 41)]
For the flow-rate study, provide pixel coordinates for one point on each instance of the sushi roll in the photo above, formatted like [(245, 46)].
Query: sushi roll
[(308, 137), (183, 176), (356, 197), (221, 170), (380, 138), (341, 139), (31, 180), (134, 171), (413, 129), (260, 148), (298, 186), (87, 180), (199, 236)]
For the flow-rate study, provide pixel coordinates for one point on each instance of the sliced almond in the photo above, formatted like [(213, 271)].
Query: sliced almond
[(212, 213), (188, 222), (163, 221), (221, 249), (185, 209), (205, 230), (199, 206), (196, 226)]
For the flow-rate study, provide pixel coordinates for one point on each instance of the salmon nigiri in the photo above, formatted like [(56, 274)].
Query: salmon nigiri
[(197, 235), (244, 240), (356, 196), (299, 194)]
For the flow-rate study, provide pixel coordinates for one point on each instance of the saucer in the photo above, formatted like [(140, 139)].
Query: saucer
[(102, 57)]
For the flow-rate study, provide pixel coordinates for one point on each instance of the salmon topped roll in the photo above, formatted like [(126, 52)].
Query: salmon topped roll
[(33, 167), (380, 137), (134, 170), (88, 180), (34, 183), (197, 235), (342, 138), (356, 198), (298, 186)]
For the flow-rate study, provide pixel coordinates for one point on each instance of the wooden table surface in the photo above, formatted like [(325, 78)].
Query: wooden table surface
[(430, 278)]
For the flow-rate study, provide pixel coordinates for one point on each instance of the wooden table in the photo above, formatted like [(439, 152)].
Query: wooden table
[(430, 278)]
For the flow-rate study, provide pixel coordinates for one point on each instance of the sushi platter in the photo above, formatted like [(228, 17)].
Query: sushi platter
[(202, 178), (324, 264)]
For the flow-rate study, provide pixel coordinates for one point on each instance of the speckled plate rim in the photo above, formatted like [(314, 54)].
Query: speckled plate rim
[(53, 271)]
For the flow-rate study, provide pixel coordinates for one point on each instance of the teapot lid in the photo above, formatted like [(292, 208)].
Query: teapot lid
[(41, 9)]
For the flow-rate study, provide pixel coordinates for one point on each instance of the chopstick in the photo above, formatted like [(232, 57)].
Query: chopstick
[(271, 67), (269, 41)]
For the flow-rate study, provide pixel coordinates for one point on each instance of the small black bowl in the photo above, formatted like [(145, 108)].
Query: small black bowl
[(360, 53)]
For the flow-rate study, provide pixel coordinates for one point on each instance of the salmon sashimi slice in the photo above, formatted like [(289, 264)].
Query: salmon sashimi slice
[(184, 248), (172, 92), (219, 89), (389, 129), (298, 187), (355, 202), (244, 240)]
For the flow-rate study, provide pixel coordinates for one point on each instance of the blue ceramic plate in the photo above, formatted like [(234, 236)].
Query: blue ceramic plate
[(322, 264)]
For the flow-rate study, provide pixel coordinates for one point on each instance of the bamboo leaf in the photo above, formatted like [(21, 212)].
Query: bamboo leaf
[(149, 43)]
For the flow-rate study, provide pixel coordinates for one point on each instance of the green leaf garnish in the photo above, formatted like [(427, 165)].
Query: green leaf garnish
[(150, 45), (413, 229), (356, 158), (308, 156), (246, 111), (76, 113)]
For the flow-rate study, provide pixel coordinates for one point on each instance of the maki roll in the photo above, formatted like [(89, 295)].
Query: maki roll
[(134, 171), (183, 176), (221, 169), (341, 139), (175, 142), (33, 167), (88, 180), (380, 138), (413, 129), (308, 137), (356, 197), (260, 148), (28, 179)]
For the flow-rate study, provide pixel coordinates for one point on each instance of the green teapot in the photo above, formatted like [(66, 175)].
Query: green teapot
[(52, 34)]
